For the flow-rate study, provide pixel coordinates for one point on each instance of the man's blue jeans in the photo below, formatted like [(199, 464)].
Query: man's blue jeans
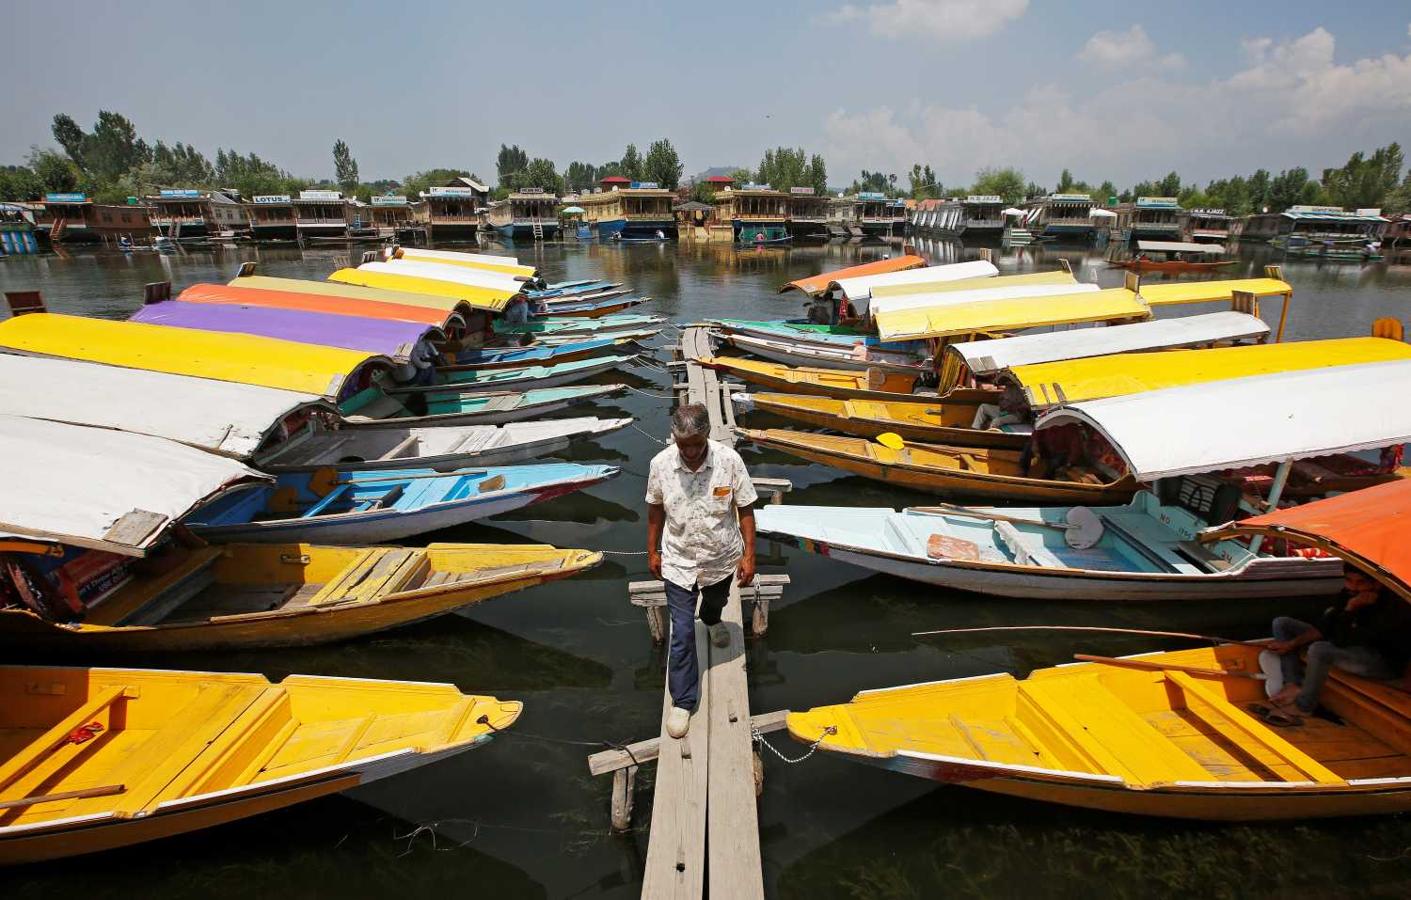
[(1322, 656), (683, 672)]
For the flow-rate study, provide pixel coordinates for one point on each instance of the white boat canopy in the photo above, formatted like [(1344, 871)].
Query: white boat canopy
[(860, 288), (1180, 247), (220, 416), (899, 302), (102, 489), (422, 252), (1251, 421), (985, 358), (1100, 213), (441, 272)]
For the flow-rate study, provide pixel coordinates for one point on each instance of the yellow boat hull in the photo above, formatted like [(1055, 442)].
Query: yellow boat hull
[(96, 759), (953, 472), (357, 593), (874, 385), (1163, 734), (943, 420)]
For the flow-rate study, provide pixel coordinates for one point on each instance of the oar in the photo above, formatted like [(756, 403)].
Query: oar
[(1094, 628), (104, 791), (1156, 666), (944, 508)]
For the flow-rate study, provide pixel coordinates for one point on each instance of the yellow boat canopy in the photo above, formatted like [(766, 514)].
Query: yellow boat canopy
[(1057, 276), (1076, 380), (450, 305), (491, 299), (1113, 304), (1212, 291), (508, 267), (326, 372)]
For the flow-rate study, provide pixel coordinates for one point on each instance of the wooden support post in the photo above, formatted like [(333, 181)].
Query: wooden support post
[(623, 783)]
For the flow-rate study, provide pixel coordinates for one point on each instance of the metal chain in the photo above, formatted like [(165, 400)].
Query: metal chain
[(624, 552), (759, 739), (651, 436)]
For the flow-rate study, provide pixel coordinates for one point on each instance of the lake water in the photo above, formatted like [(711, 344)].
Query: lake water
[(522, 818)]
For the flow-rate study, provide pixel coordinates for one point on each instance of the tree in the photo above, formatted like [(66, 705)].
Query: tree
[(742, 177), (345, 168), (1288, 188), (69, 135), (55, 171), (873, 182), (1105, 192), (416, 184), (251, 175), (580, 176), (509, 162), (1065, 182), (1007, 183), (1170, 186), (923, 182), (20, 183), (818, 174), (539, 173), (1259, 191), (1365, 182), (662, 165), (632, 163), (1399, 200)]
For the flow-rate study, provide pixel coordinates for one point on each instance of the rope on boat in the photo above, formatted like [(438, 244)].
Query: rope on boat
[(648, 393), (760, 741), (549, 739), (654, 438)]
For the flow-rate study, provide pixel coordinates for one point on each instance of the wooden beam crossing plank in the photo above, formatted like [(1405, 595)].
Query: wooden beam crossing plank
[(605, 762), (675, 866), (732, 826)]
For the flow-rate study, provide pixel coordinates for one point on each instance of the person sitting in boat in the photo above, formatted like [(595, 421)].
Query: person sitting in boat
[(1010, 410), (700, 538), (1368, 634), (517, 312)]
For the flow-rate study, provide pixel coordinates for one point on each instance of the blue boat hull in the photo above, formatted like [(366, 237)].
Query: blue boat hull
[(526, 232), (636, 230)]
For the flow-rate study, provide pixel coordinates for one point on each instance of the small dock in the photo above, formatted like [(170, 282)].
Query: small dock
[(705, 826)]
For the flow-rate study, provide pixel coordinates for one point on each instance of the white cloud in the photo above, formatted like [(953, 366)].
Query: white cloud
[(1124, 49), (1290, 104), (946, 20)]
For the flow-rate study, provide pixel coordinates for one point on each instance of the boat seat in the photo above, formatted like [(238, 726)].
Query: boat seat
[(1241, 728), (1151, 541), (402, 448), (327, 500), (1026, 554), (148, 601), (381, 571), (41, 750)]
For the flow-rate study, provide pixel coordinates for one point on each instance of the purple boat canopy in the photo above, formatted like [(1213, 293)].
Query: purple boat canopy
[(389, 338)]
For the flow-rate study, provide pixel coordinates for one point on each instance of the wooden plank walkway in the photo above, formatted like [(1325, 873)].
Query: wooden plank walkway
[(705, 826)]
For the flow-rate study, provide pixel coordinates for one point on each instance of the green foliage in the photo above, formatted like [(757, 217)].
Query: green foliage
[(1008, 183), (873, 182), (345, 168), (540, 173), (415, 185), (818, 174), (784, 168), (1105, 192), (612, 167), (56, 172), (509, 162), (1365, 182), (20, 183), (631, 163), (662, 165), (580, 176), (110, 151), (1065, 183), (1291, 187), (1399, 200), (251, 175), (742, 177)]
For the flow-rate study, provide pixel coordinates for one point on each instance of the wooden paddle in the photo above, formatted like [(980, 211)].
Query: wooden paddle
[(1156, 666), (103, 791), (1101, 629), (945, 508)]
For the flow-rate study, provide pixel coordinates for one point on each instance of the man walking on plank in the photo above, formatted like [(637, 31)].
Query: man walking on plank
[(700, 537)]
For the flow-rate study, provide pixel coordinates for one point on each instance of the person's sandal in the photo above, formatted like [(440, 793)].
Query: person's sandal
[(1279, 718)]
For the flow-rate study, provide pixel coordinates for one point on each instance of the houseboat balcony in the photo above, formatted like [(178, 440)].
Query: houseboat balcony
[(181, 226)]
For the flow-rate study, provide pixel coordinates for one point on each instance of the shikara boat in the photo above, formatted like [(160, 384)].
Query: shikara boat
[(981, 290), (442, 447), (523, 377), (1174, 257), (326, 372), (374, 408), (802, 332), (948, 471), (547, 325), (623, 337), (817, 284), (96, 759), (873, 384), (393, 339), (595, 308), (91, 560), (343, 292), (357, 507), (1175, 734), (447, 273), (944, 421), (298, 296), (858, 289), (847, 359), (493, 299), (455, 257), (1055, 276), (1141, 551), (509, 357)]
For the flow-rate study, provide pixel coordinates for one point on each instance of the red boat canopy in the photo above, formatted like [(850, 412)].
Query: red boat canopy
[(1368, 528), (816, 284)]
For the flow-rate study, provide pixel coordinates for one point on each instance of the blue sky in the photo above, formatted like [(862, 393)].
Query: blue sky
[(1108, 89)]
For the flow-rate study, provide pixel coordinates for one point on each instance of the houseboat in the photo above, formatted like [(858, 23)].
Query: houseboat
[(395, 217), (808, 214), (1062, 218), (978, 217), (842, 217), (322, 216), (757, 213), (185, 214), (455, 210), (1206, 226), (272, 217), (874, 214), (528, 214), (1398, 232), (17, 230), (921, 218), (1330, 232), (71, 218), (1148, 219), (897, 210), (626, 210)]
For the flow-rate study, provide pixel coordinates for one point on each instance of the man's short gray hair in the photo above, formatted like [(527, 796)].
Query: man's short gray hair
[(690, 420)]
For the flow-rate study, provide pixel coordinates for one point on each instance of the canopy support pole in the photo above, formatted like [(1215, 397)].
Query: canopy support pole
[(1276, 490)]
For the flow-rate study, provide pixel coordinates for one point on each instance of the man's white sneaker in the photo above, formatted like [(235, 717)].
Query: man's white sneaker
[(678, 722), (719, 634)]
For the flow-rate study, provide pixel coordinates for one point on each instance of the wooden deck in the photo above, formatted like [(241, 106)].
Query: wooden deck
[(705, 826)]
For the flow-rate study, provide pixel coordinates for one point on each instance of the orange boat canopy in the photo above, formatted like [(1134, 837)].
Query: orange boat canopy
[(817, 284), (338, 306), (1368, 528)]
